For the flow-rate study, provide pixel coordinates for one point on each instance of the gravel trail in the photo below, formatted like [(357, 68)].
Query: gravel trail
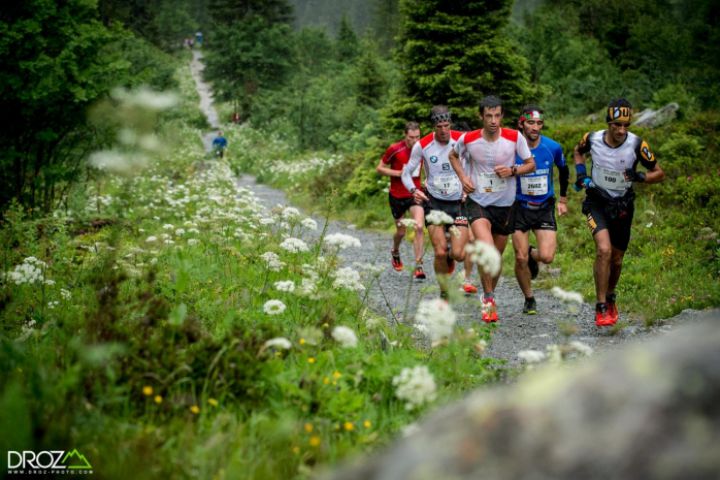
[(396, 294)]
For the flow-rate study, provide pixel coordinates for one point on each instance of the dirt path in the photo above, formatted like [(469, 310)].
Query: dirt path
[(396, 295)]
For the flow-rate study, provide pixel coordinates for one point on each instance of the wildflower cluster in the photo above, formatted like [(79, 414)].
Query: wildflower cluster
[(416, 386)]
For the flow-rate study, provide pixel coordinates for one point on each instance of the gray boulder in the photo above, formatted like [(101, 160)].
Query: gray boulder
[(650, 410), (654, 118)]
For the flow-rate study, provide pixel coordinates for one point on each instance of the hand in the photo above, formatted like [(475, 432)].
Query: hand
[(419, 196), (503, 172), (583, 181), (468, 186), (562, 208), (634, 176)]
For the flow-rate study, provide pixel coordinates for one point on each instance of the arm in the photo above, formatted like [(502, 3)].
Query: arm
[(454, 157), (383, 169), (654, 174), (564, 175), (582, 180), (523, 151), (406, 175)]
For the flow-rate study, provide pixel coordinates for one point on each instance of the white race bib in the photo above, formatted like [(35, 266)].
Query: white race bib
[(610, 179), (534, 186), (490, 183), (447, 183)]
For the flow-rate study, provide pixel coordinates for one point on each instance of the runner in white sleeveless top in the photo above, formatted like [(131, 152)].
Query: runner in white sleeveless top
[(443, 192), (488, 179)]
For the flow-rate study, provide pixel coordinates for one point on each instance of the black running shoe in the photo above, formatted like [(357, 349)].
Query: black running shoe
[(532, 264), (530, 307)]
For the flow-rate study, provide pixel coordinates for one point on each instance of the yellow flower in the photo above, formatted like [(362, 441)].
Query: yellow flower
[(195, 409), (311, 360), (326, 380), (326, 325), (158, 399), (147, 390), (349, 426), (367, 424), (337, 375), (302, 341), (308, 427), (296, 450), (213, 402), (314, 441)]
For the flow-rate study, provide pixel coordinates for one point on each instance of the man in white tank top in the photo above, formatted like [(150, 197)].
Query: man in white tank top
[(488, 180), (609, 199)]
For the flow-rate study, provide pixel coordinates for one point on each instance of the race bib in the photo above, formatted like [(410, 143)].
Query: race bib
[(447, 183), (534, 186), (490, 183), (610, 179)]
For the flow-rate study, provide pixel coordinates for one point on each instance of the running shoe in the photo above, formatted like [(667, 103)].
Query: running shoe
[(396, 262), (451, 265), (612, 306), (489, 311), (419, 273), (532, 264), (469, 288), (602, 316), (530, 307)]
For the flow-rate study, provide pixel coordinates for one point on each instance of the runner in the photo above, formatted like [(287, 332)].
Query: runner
[(490, 162), (535, 203), (219, 145), (401, 200), (442, 193), (609, 198)]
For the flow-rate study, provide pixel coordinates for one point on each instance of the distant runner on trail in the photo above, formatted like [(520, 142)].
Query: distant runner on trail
[(486, 178), (609, 198), (401, 200), (535, 203), (219, 145), (442, 194)]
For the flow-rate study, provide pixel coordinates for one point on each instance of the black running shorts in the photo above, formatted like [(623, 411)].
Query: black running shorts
[(603, 215), (501, 218), (398, 206), (540, 218)]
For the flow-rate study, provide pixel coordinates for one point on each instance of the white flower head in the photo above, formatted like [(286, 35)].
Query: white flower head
[(415, 386), (294, 245), (285, 286), (151, 239), (345, 336), (342, 241), (278, 342), (436, 318), (567, 296), (581, 348), (531, 356), (349, 279), (290, 213), (309, 223), (438, 217), (486, 256), (408, 222), (274, 307)]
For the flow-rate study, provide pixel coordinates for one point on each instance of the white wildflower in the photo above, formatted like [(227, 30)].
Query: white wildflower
[(531, 356), (581, 348), (151, 239), (274, 307), (193, 241), (308, 287), (285, 286), (65, 294), (567, 296), (180, 232), (408, 222), (278, 342), (342, 241), (290, 213), (415, 386), (436, 318), (345, 336), (267, 221), (294, 245), (168, 226), (438, 217), (349, 279), (309, 223), (486, 256)]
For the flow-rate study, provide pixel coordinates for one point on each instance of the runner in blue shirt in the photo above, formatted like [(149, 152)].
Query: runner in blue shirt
[(219, 145), (535, 203)]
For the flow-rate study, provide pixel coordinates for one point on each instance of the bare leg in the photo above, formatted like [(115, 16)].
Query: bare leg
[(481, 231), (616, 261), (601, 269), (418, 215), (437, 237), (399, 235), (521, 242), (500, 242)]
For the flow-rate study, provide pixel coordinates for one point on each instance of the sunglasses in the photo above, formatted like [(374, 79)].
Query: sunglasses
[(620, 124)]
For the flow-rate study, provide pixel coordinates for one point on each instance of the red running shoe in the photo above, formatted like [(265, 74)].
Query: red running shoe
[(612, 307), (602, 316), (419, 273), (469, 288), (396, 262), (489, 311)]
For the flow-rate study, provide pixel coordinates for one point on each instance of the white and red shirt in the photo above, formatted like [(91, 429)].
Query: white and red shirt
[(483, 156), (441, 181), (397, 156)]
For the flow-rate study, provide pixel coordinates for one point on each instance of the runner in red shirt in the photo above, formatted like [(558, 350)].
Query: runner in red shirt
[(401, 201)]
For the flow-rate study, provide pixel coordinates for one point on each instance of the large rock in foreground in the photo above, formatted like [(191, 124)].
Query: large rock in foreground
[(648, 411)]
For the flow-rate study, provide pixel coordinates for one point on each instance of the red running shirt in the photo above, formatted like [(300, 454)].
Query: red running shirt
[(397, 156)]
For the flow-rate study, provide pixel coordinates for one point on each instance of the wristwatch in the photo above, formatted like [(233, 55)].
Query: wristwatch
[(412, 190)]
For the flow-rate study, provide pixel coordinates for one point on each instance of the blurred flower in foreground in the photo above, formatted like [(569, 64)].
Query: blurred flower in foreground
[(415, 386)]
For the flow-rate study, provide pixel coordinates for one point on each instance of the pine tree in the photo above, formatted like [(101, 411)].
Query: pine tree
[(454, 53), (347, 42)]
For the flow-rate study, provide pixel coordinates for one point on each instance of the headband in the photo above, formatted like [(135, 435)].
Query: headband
[(618, 114), (532, 115), (436, 118)]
